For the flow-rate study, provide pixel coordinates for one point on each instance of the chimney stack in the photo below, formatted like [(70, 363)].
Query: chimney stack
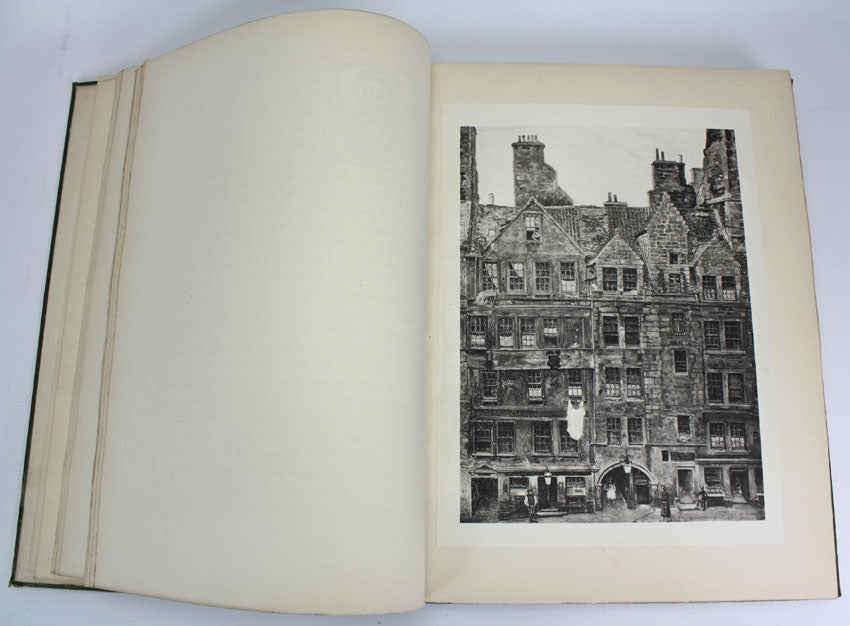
[(491, 198)]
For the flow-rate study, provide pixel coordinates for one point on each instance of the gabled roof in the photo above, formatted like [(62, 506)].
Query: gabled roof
[(718, 243), (533, 204), (617, 245)]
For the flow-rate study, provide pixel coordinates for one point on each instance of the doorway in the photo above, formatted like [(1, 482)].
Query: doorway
[(739, 480), (485, 499), (547, 494), (685, 485)]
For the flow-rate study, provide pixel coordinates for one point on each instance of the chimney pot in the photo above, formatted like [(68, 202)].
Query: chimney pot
[(615, 198), (492, 198), (662, 156), (609, 196), (656, 154), (680, 158)]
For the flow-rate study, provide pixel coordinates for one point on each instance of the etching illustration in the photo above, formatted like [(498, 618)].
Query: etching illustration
[(607, 361)]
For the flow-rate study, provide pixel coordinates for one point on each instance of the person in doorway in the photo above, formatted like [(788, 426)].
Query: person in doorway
[(531, 505), (611, 494), (665, 505)]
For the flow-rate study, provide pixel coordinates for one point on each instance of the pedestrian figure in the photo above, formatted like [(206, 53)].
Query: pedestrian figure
[(702, 498), (611, 494), (665, 505), (531, 504)]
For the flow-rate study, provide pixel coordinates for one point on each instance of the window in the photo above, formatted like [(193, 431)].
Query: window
[(737, 436), (630, 277), (568, 277), (635, 426), (574, 386), (574, 332), (550, 331), (613, 427), (712, 335), (490, 276), (535, 385), (756, 437), (543, 276), (612, 381), (728, 287), (506, 332), (477, 331), (714, 383), (759, 478), (518, 482), (482, 437), (610, 331), (683, 423), (532, 228), (732, 332), (542, 438), (674, 283), (634, 382), (680, 361), (516, 276), (568, 444), (528, 332), (713, 478), (678, 322), (717, 436), (489, 386), (632, 327), (709, 287), (674, 258), (505, 437), (609, 279), (736, 388)]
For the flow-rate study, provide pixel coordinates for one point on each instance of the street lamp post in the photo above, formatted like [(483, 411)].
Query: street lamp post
[(627, 468)]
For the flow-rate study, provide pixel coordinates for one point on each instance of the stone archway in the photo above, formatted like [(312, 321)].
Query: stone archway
[(630, 489)]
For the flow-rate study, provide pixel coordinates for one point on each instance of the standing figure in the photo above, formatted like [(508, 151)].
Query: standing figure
[(702, 498), (531, 504), (665, 505), (611, 494)]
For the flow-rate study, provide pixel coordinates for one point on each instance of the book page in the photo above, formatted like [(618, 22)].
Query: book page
[(263, 414), (612, 346)]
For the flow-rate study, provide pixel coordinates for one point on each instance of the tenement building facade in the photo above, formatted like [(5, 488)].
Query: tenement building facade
[(606, 351)]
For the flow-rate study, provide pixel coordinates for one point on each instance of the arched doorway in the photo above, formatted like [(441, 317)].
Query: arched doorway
[(626, 489)]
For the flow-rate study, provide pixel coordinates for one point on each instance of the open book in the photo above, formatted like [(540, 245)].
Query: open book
[(329, 329)]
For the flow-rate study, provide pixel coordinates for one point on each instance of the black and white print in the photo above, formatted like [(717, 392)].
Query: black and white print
[(607, 362)]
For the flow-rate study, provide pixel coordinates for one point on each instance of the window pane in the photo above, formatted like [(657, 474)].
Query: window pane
[(674, 283), (630, 276), (532, 228), (490, 275), (683, 423), (614, 427), (733, 335), (568, 444), (634, 382), (506, 332), (717, 435), (709, 287), (516, 276), (737, 436), (728, 285), (609, 278), (528, 332), (680, 361), (712, 335), (635, 430), (542, 438), (489, 385), (542, 276), (574, 384), (714, 477), (574, 332), (632, 328), (612, 381), (550, 331), (678, 320), (568, 277), (478, 331), (482, 437), (736, 388), (610, 331), (535, 385), (714, 382), (505, 437)]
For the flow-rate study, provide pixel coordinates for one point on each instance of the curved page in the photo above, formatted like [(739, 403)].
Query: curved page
[(263, 417)]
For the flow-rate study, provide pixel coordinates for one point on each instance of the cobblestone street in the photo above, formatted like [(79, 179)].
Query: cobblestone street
[(645, 513)]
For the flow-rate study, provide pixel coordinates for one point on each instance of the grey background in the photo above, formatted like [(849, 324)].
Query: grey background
[(46, 45)]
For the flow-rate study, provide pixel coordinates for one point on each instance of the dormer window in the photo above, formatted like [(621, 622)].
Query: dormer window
[(630, 278), (609, 279), (533, 228), (489, 275)]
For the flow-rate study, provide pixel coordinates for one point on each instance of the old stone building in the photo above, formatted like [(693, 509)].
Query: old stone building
[(606, 350)]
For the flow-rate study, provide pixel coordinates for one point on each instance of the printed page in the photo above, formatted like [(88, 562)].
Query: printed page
[(263, 414), (613, 359)]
